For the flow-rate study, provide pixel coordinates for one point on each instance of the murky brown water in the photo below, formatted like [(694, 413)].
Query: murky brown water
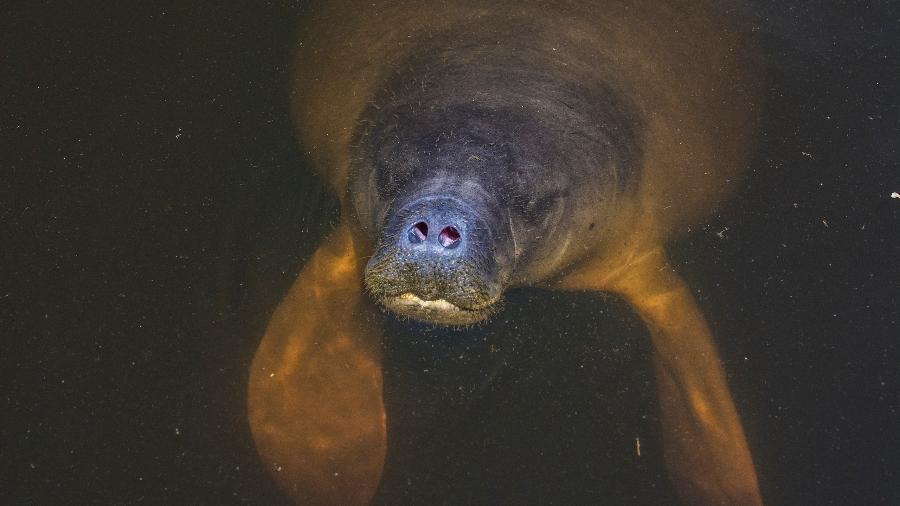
[(155, 209)]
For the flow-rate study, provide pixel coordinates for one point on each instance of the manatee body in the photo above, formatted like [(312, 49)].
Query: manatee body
[(479, 145)]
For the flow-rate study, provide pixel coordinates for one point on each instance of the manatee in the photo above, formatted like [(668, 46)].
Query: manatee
[(476, 146)]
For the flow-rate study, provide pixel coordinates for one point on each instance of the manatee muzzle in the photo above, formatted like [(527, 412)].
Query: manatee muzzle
[(438, 260)]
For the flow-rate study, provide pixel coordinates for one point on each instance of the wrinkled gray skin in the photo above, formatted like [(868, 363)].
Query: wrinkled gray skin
[(524, 173)]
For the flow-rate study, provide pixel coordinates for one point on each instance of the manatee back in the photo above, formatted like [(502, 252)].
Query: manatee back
[(684, 65)]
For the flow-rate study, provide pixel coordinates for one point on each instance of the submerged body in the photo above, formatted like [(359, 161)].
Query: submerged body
[(481, 145)]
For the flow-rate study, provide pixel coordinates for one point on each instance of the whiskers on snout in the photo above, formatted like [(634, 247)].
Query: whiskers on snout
[(450, 292)]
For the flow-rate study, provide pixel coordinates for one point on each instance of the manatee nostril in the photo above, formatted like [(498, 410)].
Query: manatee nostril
[(418, 232), (449, 237)]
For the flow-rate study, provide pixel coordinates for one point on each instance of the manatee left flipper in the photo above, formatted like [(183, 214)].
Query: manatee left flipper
[(315, 395), (704, 444)]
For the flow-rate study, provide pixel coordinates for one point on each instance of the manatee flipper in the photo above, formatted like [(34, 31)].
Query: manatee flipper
[(705, 448), (315, 395)]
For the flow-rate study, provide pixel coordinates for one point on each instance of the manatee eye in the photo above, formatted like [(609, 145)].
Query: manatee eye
[(539, 206)]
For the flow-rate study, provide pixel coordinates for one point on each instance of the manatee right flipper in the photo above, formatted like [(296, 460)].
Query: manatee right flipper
[(705, 449), (315, 394)]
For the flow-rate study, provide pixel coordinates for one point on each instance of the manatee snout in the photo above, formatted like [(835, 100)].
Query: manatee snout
[(440, 259)]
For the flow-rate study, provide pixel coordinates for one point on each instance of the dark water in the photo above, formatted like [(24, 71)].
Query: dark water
[(154, 208)]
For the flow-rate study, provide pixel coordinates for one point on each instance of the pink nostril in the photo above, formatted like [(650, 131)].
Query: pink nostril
[(418, 232), (449, 237)]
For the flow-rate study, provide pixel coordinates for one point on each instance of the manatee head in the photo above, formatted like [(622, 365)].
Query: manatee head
[(462, 202), (475, 169)]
